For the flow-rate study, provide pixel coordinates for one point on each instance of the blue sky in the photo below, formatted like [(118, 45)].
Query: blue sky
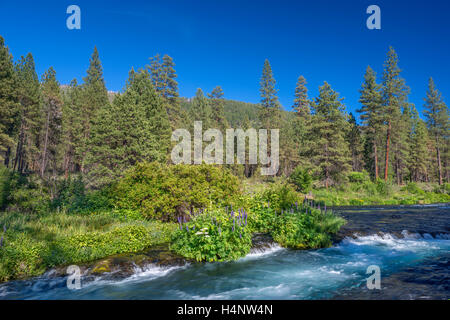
[(225, 42)]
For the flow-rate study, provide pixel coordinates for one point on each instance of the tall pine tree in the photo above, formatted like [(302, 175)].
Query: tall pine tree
[(217, 108), (437, 119), (51, 119), (27, 149), (419, 156), (394, 99), (330, 151), (9, 107), (201, 110), (270, 107), (94, 98), (134, 128), (371, 116)]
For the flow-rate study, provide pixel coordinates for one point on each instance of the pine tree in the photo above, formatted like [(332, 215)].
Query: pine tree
[(371, 116), (72, 129), (94, 98), (330, 151), (201, 110), (216, 93), (51, 129), (27, 149), (134, 128), (156, 72), (9, 107), (437, 119), (217, 108), (401, 142), (163, 77), (419, 160), (169, 84), (394, 97), (301, 101), (302, 122), (356, 143), (270, 111), (289, 143)]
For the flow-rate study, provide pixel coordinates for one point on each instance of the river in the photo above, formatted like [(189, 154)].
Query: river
[(410, 245)]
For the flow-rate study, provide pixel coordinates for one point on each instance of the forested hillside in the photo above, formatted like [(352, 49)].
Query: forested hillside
[(52, 131)]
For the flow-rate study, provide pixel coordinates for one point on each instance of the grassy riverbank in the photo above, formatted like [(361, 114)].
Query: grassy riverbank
[(34, 243), (383, 194), (203, 213)]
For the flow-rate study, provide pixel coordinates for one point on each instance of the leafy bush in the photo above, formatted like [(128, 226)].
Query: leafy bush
[(298, 229), (27, 194), (302, 179), (5, 177), (413, 188), (166, 192), (22, 256), (278, 196), (359, 177), (445, 188), (383, 187), (261, 218), (215, 236), (70, 194)]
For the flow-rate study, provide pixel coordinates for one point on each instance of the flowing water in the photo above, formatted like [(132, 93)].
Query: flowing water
[(414, 264)]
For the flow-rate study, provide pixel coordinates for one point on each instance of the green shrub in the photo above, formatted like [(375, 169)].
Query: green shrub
[(261, 219), (213, 236), (383, 187), (447, 187), (5, 179), (70, 195), (279, 196), (28, 194), (413, 188), (302, 179), (166, 192), (358, 177), (300, 230)]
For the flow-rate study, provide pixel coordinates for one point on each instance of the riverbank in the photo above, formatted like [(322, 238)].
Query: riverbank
[(369, 193), (272, 272)]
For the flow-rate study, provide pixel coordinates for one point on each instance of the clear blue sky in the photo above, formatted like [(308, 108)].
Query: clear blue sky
[(225, 42)]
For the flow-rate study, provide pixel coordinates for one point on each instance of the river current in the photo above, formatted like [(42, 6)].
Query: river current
[(414, 264)]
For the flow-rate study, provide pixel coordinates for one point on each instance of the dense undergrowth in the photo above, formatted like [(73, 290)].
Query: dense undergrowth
[(203, 213), (32, 243)]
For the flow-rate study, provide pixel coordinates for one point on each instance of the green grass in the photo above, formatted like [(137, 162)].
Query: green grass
[(373, 194), (35, 243)]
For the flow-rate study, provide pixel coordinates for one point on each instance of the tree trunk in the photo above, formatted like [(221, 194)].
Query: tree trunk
[(18, 157), (376, 159), (388, 140), (44, 153), (438, 154), (7, 155)]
